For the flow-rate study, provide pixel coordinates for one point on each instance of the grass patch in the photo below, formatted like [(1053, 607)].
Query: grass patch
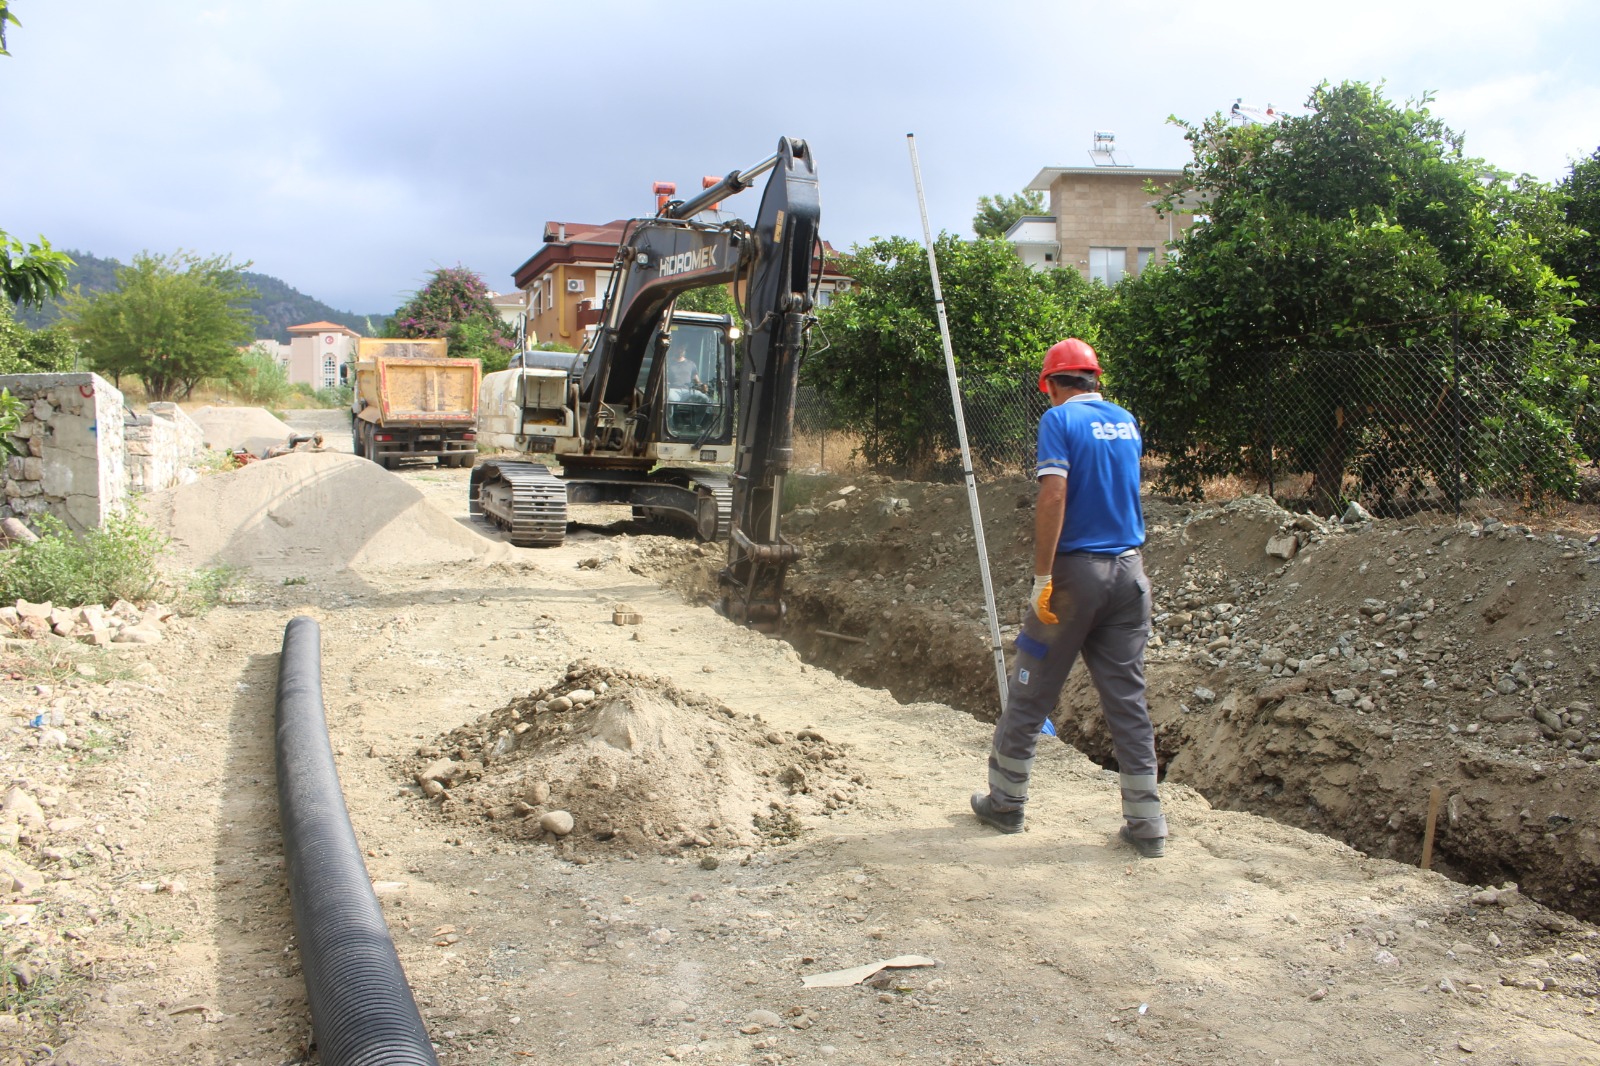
[(212, 586), (43, 998), (144, 931), (116, 561)]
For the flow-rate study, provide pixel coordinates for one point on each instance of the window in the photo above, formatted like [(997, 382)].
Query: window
[(1107, 265), (330, 372), (1145, 255)]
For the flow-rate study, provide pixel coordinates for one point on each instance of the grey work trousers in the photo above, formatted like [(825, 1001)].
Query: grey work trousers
[(1103, 606)]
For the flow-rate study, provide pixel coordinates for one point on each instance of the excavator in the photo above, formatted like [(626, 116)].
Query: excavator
[(631, 418)]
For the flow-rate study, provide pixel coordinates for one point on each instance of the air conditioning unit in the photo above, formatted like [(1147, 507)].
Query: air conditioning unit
[(574, 284)]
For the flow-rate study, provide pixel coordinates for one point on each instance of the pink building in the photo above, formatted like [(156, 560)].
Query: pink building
[(317, 350)]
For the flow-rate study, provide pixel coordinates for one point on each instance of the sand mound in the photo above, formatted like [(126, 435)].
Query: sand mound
[(639, 765), (310, 512), (251, 429)]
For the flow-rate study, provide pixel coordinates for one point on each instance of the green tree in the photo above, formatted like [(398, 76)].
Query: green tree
[(998, 213), (455, 305), (713, 299), (883, 366), (34, 351), (1579, 256), (1360, 225), (173, 321)]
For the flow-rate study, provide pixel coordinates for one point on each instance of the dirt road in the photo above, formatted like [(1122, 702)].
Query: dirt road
[(1250, 943)]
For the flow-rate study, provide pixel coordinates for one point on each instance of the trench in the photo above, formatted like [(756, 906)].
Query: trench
[(1273, 750)]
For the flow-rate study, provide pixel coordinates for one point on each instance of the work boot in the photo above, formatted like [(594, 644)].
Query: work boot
[(1147, 847), (1005, 821)]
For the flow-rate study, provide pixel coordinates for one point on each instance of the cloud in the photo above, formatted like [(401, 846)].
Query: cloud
[(351, 147)]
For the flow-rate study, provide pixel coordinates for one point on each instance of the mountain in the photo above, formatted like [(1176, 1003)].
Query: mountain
[(278, 305)]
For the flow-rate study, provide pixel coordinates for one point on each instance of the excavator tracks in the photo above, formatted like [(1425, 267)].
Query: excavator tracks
[(524, 499), (711, 489), (722, 492)]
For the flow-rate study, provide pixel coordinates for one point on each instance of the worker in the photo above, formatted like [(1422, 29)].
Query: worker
[(1090, 597), (682, 373)]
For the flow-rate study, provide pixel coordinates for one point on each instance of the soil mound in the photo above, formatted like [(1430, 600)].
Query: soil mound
[(636, 764), (250, 429), (309, 512)]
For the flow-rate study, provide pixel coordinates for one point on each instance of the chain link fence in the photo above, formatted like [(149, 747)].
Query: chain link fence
[(1454, 431)]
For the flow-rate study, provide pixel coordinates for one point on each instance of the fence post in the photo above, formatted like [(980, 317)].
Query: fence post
[(1455, 412)]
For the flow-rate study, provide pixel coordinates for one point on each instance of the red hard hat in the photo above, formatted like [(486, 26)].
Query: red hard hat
[(1070, 356)]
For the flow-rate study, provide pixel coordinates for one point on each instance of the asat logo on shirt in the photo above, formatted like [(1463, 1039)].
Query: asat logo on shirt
[(1115, 431)]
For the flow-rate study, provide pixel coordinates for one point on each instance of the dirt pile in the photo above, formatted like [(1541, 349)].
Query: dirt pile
[(249, 429), (609, 761), (308, 513)]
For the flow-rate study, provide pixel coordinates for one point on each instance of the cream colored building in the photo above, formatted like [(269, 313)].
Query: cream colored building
[(1104, 220), (317, 350)]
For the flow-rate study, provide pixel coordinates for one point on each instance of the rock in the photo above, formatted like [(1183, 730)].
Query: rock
[(37, 611), (439, 770), (538, 793), (18, 876), (1343, 696), (560, 704), (558, 822), (1355, 513), (1203, 694), (764, 1019), (432, 789), (1385, 958), (21, 808), (138, 634), (580, 696), (52, 739), (1283, 547)]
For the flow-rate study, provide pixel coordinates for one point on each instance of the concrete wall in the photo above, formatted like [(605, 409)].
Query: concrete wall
[(161, 445), (74, 457)]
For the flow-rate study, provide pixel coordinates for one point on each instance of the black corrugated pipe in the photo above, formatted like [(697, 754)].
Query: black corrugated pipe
[(362, 1011)]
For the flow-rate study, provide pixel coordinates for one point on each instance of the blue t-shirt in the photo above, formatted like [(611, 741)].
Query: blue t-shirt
[(1096, 446)]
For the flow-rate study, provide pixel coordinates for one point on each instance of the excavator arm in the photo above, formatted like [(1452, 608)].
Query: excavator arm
[(778, 306)]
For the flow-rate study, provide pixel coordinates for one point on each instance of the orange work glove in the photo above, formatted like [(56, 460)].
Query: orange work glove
[(1040, 600)]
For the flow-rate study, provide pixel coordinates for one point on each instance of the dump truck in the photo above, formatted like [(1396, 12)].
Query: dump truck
[(411, 401)]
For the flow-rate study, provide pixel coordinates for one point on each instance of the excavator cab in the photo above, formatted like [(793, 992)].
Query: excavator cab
[(699, 364)]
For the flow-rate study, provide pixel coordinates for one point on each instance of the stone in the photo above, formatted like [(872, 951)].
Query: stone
[(20, 808), (538, 793), (558, 822), (559, 704), (580, 696), (1203, 694), (22, 877), (40, 611), (1283, 547), (137, 635), (438, 770), (766, 1019), (1355, 513)]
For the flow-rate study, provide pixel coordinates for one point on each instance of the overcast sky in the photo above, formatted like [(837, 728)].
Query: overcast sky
[(351, 146)]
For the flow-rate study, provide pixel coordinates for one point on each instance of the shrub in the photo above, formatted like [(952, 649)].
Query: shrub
[(116, 561), (260, 380)]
